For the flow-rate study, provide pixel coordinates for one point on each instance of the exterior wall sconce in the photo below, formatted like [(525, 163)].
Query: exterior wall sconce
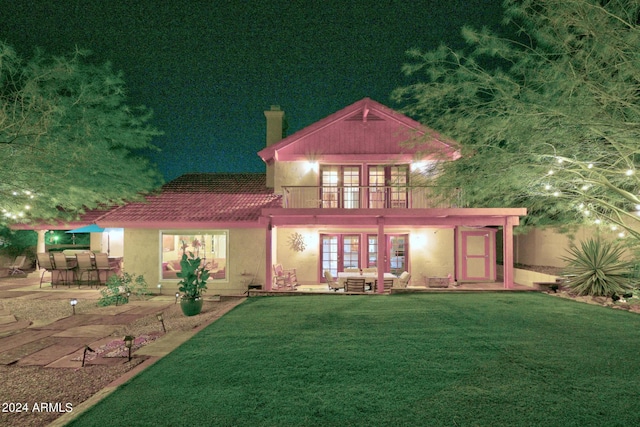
[(312, 166), (161, 319), (73, 303), (128, 343)]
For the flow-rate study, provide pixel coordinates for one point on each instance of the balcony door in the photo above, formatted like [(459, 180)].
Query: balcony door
[(388, 186), (340, 186)]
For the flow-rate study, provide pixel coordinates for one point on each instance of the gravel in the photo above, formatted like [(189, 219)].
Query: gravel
[(36, 396)]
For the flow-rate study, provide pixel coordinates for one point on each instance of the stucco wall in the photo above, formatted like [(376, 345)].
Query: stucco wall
[(246, 259), (547, 246), (431, 253), (295, 173)]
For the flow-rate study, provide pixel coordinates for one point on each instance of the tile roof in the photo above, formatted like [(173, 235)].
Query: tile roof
[(197, 200)]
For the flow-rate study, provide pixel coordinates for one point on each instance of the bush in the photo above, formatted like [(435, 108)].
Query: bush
[(598, 269), (116, 284)]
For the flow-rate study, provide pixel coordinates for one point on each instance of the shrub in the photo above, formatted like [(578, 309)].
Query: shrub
[(131, 283), (598, 269)]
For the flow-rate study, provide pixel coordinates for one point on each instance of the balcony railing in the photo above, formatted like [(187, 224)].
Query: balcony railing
[(371, 197)]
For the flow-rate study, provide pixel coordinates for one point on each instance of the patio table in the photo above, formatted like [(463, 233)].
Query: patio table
[(369, 278)]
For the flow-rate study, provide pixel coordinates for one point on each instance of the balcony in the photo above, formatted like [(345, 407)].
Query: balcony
[(370, 197)]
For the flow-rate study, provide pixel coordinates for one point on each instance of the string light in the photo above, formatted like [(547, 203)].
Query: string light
[(629, 172), (590, 166)]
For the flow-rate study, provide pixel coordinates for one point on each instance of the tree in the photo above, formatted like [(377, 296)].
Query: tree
[(549, 117), (68, 141)]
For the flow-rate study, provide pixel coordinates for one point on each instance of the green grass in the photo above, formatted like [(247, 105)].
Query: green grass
[(423, 360)]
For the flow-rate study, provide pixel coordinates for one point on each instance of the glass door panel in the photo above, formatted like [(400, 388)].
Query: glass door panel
[(376, 187), (351, 252), (372, 249), (396, 249), (330, 254), (398, 182), (329, 182)]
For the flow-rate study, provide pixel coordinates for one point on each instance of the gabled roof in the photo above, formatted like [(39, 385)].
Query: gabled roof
[(363, 130), (199, 200)]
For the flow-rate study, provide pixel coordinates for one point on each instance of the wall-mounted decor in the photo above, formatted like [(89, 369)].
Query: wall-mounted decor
[(296, 242)]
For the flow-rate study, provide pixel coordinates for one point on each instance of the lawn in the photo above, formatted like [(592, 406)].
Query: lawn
[(426, 360)]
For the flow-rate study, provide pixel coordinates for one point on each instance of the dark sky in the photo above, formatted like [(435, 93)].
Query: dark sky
[(210, 68)]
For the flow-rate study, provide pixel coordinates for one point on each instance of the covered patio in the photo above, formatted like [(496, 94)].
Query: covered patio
[(382, 220)]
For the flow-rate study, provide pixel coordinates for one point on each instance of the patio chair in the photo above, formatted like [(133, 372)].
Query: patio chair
[(284, 278), (355, 284), (85, 267), (45, 264), (388, 284), (61, 267), (18, 265), (102, 265), (331, 281), (403, 280)]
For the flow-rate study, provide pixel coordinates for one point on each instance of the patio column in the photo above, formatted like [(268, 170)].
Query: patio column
[(507, 250), (40, 247), (268, 257), (382, 251)]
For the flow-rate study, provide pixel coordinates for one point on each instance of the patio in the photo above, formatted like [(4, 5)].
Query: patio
[(323, 288)]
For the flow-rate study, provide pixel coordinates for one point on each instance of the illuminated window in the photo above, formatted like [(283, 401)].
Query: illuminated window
[(211, 246)]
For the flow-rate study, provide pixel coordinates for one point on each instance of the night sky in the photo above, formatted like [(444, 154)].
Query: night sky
[(209, 69)]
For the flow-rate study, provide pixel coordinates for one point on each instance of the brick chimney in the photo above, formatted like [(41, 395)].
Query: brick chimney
[(276, 130)]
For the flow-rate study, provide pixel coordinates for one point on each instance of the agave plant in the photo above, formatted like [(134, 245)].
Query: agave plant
[(598, 269)]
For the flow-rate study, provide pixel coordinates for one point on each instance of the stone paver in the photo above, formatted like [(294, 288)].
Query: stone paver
[(24, 337), (89, 331), (47, 355), (7, 318)]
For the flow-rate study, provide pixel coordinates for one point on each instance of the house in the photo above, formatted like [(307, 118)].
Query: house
[(349, 191)]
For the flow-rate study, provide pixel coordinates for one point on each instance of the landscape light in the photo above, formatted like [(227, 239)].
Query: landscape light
[(177, 297), (128, 342), (161, 319), (160, 288), (73, 303)]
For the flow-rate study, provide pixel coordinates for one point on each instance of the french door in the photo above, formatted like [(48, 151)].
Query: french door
[(340, 186), (341, 251), (388, 186), (395, 260)]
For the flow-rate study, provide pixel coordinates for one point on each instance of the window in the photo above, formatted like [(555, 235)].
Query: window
[(210, 246)]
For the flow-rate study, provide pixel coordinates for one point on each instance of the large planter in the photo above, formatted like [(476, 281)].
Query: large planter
[(190, 306)]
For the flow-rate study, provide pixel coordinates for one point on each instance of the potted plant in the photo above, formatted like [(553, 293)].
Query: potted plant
[(193, 283)]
